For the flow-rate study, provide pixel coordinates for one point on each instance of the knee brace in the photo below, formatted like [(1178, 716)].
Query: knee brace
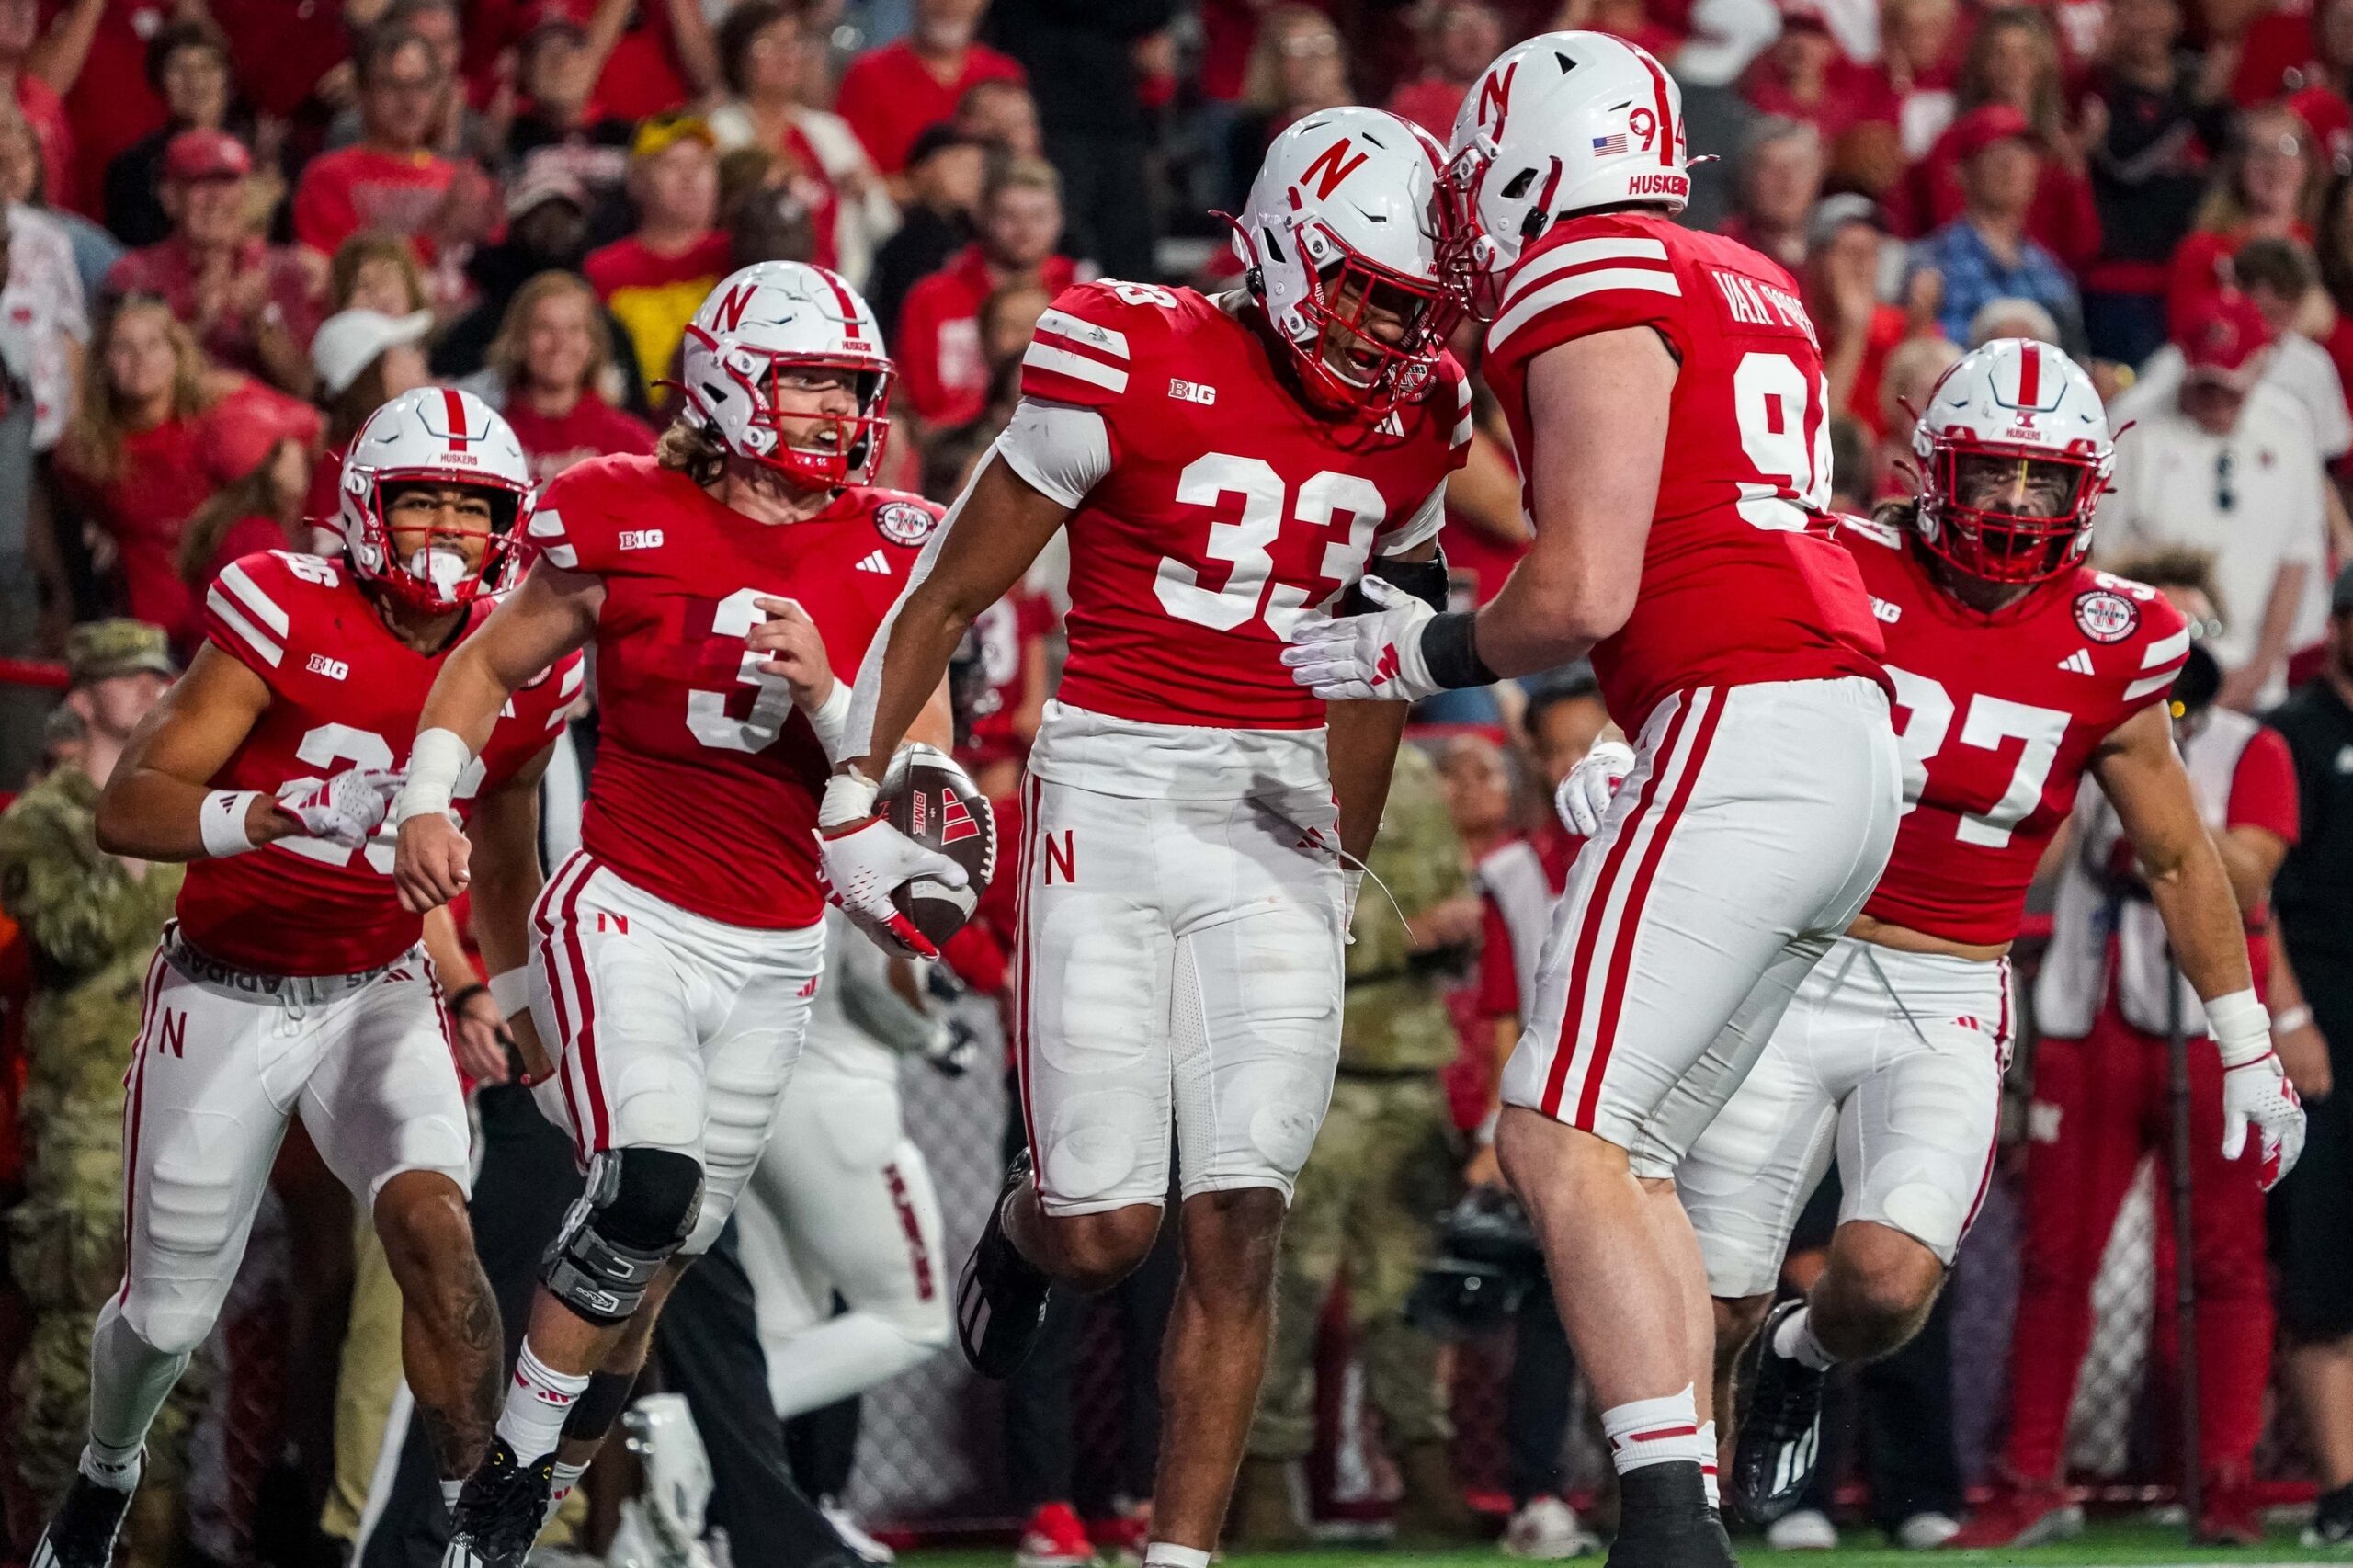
[(640, 1208)]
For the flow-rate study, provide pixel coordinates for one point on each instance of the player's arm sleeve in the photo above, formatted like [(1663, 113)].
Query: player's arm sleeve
[(1061, 450), (2263, 786), (246, 615), (1608, 282), (1085, 350)]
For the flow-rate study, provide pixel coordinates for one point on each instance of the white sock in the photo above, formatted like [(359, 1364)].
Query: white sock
[(116, 1471), (1653, 1431), (1707, 1447), (130, 1380), (537, 1402), (565, 1477), (449, 1490), (1795, 1340), (1161, 1554)]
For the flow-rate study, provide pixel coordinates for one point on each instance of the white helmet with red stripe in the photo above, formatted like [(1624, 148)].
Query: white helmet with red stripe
[(2014, 455), (433, 435), (1563, 123), (774, 314), (1343, 220)]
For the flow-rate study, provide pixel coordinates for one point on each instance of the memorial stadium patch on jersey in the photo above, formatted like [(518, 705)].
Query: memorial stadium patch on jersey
[(2105, 616), (904, 522)]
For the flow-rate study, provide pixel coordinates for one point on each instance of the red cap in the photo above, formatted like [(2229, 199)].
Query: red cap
[(1989, 123), (548, 14), (206, 154), (2223, 338), (245, 428)]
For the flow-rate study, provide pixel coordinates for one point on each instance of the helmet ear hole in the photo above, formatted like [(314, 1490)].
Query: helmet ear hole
[(1274, 245), (1518, 185)]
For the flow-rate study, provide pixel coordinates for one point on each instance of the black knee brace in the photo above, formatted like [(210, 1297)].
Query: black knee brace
[(640, 1208)]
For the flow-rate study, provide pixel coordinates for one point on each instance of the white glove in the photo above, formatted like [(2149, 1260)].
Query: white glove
[(1352, 883), (345, 809), (1584, 797), (1377, 656), (2258, 1093), (867, 859)]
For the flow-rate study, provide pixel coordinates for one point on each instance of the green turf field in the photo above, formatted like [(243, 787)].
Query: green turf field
[(2108, 1544)]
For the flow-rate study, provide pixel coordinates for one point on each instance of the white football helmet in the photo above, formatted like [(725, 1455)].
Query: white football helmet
[(434, 434), (1343, 218), (2012, 418), (1562, 123), (778, 313)]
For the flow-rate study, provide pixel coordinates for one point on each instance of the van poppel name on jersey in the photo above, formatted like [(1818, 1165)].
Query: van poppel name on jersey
[(1754, 302)]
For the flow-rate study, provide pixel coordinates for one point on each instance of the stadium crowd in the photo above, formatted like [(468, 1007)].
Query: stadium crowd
[(236, 228)]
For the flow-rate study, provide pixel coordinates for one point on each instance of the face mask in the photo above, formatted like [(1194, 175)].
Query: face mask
[(440, 567)]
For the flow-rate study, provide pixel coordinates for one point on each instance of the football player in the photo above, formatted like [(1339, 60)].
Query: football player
[(674, 955), (1667, 397), (1225, 467), (2018, 669), (292, 983)]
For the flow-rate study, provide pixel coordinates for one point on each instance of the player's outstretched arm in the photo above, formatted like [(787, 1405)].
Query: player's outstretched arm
[(2143, 775), (553, 613), (159, 804), (987, 541), (1598, 408)]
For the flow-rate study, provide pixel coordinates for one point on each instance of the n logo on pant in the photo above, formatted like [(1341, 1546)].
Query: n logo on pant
[(1061, 855)]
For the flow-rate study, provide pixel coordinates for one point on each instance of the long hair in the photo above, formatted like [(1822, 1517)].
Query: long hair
[(687, 447), (374, 244), (2224, 206), (255, 495), (507, 351), (1262, 77), (92, 445), (2049, 110)]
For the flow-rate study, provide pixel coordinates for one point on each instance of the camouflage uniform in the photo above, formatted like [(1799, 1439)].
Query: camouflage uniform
[(93, 927), (1383, 1167)]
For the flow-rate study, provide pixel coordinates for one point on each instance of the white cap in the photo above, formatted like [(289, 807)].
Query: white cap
[(348, 342)]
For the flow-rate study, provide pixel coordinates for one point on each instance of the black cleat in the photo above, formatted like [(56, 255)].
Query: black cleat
[(1664, 1522), (2331, 1519), (81, 1534), (1780, 1429), (499, 1512), (1001, 1296)]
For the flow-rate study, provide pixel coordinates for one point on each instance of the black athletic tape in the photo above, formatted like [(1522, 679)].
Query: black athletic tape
[(1426, 579), (1451, 652), (600, 1406)]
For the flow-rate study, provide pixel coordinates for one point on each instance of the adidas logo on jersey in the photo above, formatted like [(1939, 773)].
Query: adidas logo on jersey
[(1391, 425), (1191, 392), (640, 539), (877, 562), (2079, 662)]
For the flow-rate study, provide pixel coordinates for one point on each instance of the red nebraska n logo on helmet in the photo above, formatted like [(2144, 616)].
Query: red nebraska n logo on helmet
[(729, 317), (1332, 165), (1494, 97)]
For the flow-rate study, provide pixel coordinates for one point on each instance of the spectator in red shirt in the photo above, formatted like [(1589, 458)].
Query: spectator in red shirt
[(761, 54), (2014, 60), (2323, 103), (553, 359), (133, 461), (266, 441), (1461, 38), (2268, 187), (1777, 180), (943, 371), (96, 56), (1803, 76), (392, 180), (945, 172), (653, 56), (457, 131), (43, 109), (253, 306), (889, 94), (999, 113), (1845, 240), (652, 280)]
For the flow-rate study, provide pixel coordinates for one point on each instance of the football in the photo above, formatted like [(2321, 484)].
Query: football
[(935, 803)]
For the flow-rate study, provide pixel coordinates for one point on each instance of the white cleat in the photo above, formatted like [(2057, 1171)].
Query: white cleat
[(1925, 1532), (1547, 1530), (854, 1535), (1808, 1529)]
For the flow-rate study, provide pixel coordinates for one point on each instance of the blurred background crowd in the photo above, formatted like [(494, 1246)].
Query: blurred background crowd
[(235, 227)]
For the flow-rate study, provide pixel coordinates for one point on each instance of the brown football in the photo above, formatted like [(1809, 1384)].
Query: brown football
[(935, 804)]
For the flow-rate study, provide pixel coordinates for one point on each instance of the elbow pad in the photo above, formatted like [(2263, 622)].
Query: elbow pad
[(1426, 579)]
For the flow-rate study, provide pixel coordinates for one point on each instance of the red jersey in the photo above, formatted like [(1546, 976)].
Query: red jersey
[(594, 428), (707, 779), (1998, 716), (111, 104), (343, 693), (1229, 509), (1741, 581), (1008, 632), (342, 192), (889, 96)]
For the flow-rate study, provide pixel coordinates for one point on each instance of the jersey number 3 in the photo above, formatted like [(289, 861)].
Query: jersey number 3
[(1243, 544), (1990, 722)]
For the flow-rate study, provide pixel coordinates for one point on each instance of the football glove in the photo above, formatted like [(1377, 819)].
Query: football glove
[(344, 810), (1377, 656), (2256, 1093), (1584, 797), (866, 860)]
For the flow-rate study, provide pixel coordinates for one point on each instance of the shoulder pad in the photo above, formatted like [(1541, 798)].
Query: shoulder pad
[(249, 608)]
